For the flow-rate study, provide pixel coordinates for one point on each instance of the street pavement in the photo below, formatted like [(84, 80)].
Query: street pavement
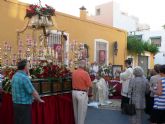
[(106, 116)]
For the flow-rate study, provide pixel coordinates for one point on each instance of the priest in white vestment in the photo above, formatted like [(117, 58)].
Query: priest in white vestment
[(101, 90)]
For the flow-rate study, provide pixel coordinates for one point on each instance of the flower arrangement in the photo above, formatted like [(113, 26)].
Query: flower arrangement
[(33, 10), (8, 73), (47, 70), (44, 70), (106, 71), (112, 89)]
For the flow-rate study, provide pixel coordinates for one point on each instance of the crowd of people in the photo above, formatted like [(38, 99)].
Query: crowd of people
[(145, 94), (148, 95)]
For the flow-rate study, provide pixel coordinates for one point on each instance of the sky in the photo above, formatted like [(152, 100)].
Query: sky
[(151, 12)]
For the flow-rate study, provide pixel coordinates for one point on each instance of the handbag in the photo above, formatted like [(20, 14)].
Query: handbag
[(129, 109)]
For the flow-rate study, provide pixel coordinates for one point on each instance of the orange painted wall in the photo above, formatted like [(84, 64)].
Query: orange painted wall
[(12, 19)]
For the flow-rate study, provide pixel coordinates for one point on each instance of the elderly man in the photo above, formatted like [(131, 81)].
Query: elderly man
[(81, 83), (22, 93)]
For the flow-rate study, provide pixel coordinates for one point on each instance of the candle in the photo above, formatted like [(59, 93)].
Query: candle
[(14, 56), (5, 46), (35, 42), (56, 55)]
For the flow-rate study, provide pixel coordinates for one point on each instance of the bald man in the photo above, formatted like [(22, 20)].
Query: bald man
[(81, 83)]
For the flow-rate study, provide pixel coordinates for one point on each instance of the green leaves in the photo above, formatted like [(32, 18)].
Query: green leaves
[(153, 49), (134, 45), (138, 46)]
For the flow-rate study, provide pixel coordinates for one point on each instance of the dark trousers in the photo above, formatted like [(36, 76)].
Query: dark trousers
[(149, 104), (22, 114), (0, 97), (124, 100)]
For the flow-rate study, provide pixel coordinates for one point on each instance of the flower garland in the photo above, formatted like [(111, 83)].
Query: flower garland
[(33, 10)]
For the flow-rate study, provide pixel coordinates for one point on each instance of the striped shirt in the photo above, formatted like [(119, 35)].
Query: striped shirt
[(159, 101)]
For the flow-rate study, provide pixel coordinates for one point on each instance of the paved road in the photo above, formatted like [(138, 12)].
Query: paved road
[(103, 116)]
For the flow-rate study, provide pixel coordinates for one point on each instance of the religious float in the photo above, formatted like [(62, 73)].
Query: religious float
[(50, 66), (49, 72)]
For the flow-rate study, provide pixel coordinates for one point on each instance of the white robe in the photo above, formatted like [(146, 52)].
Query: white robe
[(94, 69), (125, 78), (102, 91)]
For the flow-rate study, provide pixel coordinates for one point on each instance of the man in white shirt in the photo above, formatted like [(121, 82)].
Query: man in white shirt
[(125, 78)]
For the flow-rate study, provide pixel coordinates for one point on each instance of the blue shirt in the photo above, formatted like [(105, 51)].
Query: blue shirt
[(159, 101), (22, 88)]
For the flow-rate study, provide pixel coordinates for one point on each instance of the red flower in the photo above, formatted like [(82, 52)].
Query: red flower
[(30, 11), (35, 9), (43, 9), (11, 74), (46, 5)]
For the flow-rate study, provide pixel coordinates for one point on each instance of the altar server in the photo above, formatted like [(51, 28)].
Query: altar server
[(125, 78)]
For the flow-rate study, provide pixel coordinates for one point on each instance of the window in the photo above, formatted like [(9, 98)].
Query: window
[(54, 42), (97, 11), (164, 54), (135, 36), (54, 38), (101, 51), (156, 41)]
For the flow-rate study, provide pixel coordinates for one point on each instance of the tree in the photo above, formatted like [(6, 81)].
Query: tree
[(138, 46), (135, 45)]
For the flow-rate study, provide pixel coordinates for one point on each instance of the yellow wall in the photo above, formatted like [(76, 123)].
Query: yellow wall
[(12, 18), (150, 59)]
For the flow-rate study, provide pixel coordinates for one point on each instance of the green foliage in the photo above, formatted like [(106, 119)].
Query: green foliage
[(6, 85), (150, 47), (146, 45), (153, 49), (134, 45), (138, 46)]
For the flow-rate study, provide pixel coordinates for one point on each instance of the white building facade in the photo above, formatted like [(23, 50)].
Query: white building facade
[(157, 38), (110, 14)]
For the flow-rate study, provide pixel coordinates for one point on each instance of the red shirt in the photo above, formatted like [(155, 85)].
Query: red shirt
[(81, 79)]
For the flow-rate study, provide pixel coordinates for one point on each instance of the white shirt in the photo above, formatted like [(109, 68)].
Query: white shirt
[(95, 68), (125, 78)]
